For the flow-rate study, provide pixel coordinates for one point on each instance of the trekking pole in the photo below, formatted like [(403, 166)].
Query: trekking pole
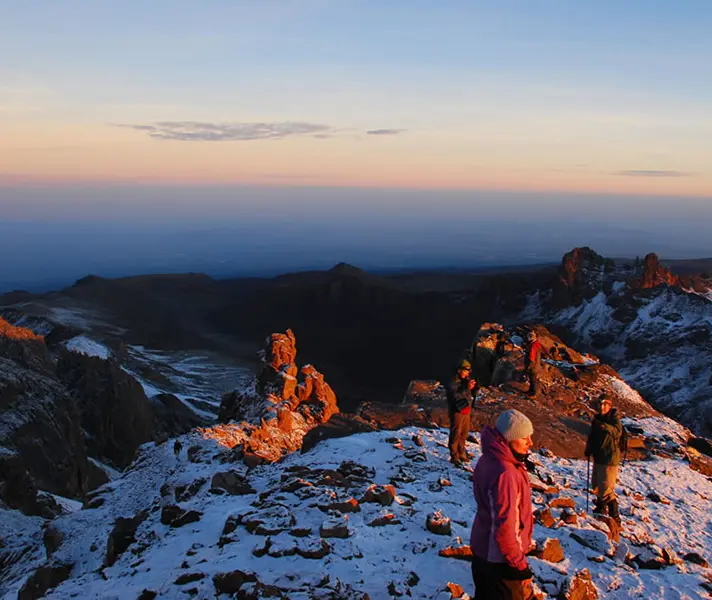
[(588, 479)]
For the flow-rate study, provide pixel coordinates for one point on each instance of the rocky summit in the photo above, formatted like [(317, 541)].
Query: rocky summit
[(138, 464)]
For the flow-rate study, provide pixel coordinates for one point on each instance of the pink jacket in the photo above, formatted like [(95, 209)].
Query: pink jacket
[(503, 526)]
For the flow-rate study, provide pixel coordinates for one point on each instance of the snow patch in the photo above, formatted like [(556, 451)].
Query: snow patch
[(83, 345)]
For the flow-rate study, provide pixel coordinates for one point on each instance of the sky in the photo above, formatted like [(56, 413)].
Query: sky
[(242, 108)]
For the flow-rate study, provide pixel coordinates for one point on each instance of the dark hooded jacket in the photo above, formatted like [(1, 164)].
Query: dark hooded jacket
[(459, 395), (503, 526), (603, 442)]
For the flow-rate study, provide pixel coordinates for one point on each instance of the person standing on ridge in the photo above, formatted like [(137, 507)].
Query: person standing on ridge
[(459, 399), (532, 363), (502, 530), (603, 445)]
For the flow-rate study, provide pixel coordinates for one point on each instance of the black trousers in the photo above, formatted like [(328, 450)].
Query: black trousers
[(490, 585)]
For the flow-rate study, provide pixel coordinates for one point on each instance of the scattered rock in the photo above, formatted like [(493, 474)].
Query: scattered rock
[(562, 502), (381, 494), (696, 559), (593, 539), (313, 548), (386, 519), (458, 552), (122, 536), (44, 579), (545, 518), (655, 497), (51, 538), (455, 590), (551, 550), (651, 557), (335, 527), (170, 513), (579, 587), (569, 517), (147, 595), (613, 527), (190, 516), (349, 506), (231, 482), (189, 578), (438, 524), (230, 583), (270, 520), (186, 492)]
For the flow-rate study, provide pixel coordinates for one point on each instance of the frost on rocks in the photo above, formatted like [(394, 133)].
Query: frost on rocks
[(270, 539)]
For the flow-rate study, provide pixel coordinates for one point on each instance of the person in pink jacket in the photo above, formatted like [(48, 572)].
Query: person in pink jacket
[(502, 531)]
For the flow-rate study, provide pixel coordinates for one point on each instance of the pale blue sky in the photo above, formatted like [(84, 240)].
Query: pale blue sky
[(105, 107)]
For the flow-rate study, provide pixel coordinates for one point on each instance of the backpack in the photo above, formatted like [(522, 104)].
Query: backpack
[(623, 441)]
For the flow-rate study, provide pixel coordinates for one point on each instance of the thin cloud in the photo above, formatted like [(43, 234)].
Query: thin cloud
[(194, 131), (652, 173), (384, 131)]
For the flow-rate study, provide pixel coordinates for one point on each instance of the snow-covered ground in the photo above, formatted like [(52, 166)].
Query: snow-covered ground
[(384, 561)]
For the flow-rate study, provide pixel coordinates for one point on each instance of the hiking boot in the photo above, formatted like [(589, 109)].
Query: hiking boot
[(469, 456), (613, 511), (600, 508)]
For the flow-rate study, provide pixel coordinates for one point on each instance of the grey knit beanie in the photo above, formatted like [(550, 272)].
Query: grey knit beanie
[(514, 425)]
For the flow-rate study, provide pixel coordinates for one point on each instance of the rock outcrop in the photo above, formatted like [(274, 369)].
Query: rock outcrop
[(115, 412), (654, 274), (570, 382), (287, 402), (581, 275), (41, 440)]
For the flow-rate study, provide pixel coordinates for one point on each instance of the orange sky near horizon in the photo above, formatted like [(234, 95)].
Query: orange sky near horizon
[(74, 153)]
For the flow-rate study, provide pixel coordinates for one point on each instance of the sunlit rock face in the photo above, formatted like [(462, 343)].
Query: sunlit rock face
[(271, 419)]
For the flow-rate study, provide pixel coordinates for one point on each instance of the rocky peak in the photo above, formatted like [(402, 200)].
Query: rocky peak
[(581, 274), (270, 421), (655, 274)]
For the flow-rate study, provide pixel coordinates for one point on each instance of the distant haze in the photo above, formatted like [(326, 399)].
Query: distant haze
[(51, 236)]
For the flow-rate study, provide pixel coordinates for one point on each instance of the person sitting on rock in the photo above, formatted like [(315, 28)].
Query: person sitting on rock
[(459, 399), (603, 445), (532, 363), (502, 530)]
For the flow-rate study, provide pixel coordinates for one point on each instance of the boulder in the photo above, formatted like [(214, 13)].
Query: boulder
[(544, 518), (457, 552), (455, 590), (44, 579), (593, 539), (696, 559), (579, 587), (335, 527), (550, 550), (438, 524), (231, 482), (380, 494), (122, 536)]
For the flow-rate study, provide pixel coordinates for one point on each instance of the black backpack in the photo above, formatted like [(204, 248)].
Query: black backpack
[(623, 441)]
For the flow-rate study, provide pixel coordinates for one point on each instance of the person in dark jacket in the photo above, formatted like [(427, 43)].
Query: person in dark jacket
[(459, 400), (532, 363), (502, 530), (603, 445)]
